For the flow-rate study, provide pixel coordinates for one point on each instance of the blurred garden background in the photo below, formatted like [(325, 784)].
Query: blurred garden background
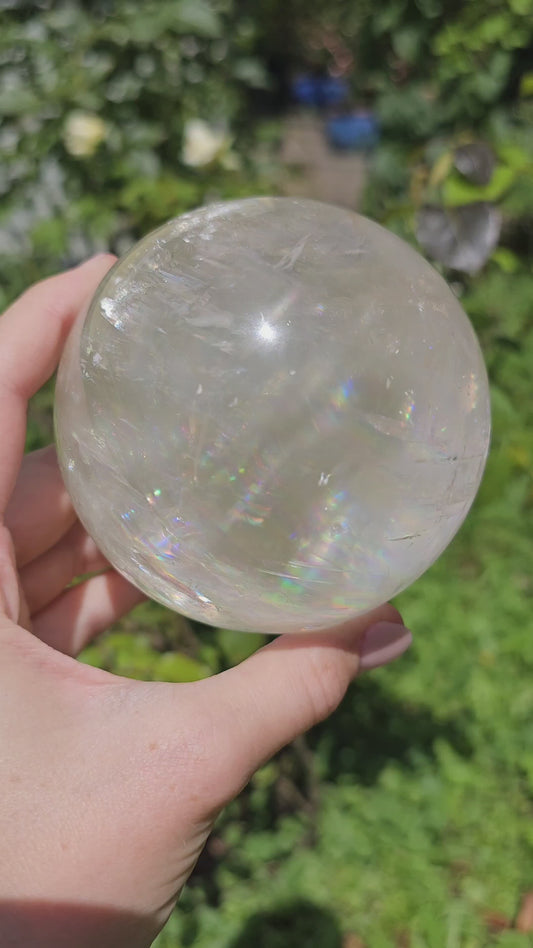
[(405, 821)]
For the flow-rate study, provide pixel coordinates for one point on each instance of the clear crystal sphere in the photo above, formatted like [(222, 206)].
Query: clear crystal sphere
[(274, 415)]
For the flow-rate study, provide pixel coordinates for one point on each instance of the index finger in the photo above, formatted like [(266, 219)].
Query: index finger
[(33, 332)]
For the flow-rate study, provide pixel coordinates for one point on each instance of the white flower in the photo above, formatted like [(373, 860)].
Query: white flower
[(202, 143), (83, 132)]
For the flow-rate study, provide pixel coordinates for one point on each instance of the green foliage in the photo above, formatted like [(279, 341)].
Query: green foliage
[(135, 657), (457, 191), (429, 65), (436, 182), (470, 794), (95, 105)]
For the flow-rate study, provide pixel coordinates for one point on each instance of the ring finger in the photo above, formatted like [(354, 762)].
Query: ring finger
[(39, 512), (46, 577)]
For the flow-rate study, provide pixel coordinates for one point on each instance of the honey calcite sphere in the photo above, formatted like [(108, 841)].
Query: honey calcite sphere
[(274, 415)]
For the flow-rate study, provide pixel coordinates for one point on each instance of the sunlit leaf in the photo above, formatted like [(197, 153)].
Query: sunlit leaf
[(236, 646), (506, 260), (456, 190), (526, 85), (174, 666)]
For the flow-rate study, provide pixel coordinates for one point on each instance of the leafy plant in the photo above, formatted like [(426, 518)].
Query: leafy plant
[(101, 109)]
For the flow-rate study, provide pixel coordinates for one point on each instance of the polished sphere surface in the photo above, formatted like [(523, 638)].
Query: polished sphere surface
[(274, 415)]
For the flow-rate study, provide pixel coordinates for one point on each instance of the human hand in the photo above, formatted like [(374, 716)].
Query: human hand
[(109, 787)]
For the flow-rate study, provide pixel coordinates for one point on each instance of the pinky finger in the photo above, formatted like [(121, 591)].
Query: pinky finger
[(79, 614)]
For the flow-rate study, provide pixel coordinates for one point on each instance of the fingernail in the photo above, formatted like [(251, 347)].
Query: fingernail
[(383, 643)]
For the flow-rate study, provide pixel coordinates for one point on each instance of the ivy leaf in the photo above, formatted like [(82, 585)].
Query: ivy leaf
[(462, 238)]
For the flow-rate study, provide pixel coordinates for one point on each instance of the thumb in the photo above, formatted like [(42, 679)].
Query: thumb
[(292, 684)]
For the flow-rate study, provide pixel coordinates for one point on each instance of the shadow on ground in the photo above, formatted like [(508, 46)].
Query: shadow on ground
[(298, 924), (371, 729)]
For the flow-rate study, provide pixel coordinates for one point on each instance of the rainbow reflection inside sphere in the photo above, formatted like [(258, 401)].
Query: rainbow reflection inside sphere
[(274, 415)]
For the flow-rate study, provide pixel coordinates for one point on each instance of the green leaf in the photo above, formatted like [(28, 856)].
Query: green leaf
[(456, 190), (19, 101), (514, 156), (174, 666), (521, 7), (237, 646), (492, 29), (123, 654), (504, 413), (198, 17), (133, 656), (429, 8), (526, 85), (142, 29), (387, 17), (152, 201), (406, 43), (50, 237), (512, 939), (506, 260), (251, 72)]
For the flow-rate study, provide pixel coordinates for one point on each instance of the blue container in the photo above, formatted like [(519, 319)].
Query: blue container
[(356, 131), (332, 91), (319, 91), (304, 90)]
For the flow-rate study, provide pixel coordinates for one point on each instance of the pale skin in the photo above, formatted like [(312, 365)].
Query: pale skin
[(110, 787)]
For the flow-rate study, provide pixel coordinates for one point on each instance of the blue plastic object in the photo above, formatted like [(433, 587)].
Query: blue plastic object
[(332, 91), (304, 90), (358, 130), (319, 91)]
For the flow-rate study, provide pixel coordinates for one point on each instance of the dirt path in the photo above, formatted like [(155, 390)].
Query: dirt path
[(315, 170)]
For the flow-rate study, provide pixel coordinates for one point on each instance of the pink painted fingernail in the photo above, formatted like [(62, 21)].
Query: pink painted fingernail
[(382, 643)]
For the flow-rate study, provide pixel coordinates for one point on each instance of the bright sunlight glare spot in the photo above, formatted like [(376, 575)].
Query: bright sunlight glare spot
[(267, 332)]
